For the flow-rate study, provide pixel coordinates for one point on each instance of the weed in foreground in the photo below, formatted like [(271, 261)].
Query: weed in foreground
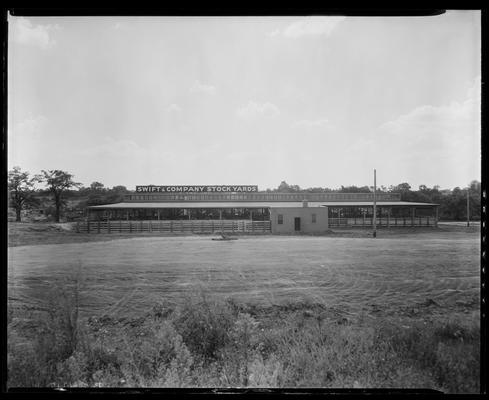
[(210, 343)]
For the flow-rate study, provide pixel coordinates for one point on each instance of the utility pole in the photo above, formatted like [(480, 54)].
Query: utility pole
[(375, 204), (468, 216)]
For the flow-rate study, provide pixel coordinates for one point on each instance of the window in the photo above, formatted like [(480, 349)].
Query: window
[(280, 219), (313, 218)]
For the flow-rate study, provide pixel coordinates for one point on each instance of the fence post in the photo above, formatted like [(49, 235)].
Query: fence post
[(171, 226), (130, 226), (108, 225), (120, 226), (98, 226), (212, 225), (77, 226)]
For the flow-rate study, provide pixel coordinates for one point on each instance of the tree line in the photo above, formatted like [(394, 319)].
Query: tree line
[(453, 202), (61, 186)]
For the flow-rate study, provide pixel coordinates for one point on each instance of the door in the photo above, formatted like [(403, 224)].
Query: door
[(297, 224)]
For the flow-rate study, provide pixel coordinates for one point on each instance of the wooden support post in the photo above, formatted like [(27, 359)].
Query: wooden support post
[(108, 225), (127, 215), (98, 226), (436, 216), (120, 225), (130, 226), (158, 214), (171, 226), (388, 217), (375, 205), (413, 211)]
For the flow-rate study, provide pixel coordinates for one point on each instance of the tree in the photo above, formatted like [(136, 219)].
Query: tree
[(58, 182), (21, 190), (354, 189), (97, 186), (283, 187)]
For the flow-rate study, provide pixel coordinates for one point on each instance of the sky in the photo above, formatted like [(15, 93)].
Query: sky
[(315, 101)]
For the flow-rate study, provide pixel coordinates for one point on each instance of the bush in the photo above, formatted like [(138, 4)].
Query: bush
[(218, 343), (204, 325)]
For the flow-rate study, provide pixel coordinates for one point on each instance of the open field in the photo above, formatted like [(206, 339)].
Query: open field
[(401, 278), (353, 274)]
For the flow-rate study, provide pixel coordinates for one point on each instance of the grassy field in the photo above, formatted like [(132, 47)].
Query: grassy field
[(304, 294)]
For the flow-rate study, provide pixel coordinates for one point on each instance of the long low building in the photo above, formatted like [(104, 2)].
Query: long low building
[(244, 209)]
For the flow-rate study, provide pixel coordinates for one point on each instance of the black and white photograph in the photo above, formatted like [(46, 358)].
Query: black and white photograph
[(244, 202)]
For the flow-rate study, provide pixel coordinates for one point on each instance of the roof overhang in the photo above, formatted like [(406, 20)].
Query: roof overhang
[(255, 204)]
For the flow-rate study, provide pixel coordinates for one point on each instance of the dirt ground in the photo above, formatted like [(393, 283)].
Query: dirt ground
[(25, 233), (428, 273)]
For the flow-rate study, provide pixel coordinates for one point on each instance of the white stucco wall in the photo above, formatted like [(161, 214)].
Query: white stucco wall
[(305, 214)]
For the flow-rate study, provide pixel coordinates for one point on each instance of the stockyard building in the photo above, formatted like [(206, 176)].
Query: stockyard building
[(244, 209)]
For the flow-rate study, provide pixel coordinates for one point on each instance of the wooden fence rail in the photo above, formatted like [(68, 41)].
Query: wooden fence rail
[(381, 222), (174, 226)]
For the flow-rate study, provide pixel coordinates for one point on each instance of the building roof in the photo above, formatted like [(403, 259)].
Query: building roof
[(255, 204)]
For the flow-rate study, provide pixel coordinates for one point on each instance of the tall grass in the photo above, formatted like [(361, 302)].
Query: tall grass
[(209, 343)]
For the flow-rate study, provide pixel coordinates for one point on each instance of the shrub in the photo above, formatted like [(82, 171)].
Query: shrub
[(204, 326)]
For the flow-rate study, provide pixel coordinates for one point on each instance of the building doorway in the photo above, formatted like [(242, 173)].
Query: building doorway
[(297, 224)]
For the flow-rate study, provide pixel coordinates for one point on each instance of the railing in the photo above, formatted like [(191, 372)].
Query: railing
[(391, 222), (261, 196), (174, 226)]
